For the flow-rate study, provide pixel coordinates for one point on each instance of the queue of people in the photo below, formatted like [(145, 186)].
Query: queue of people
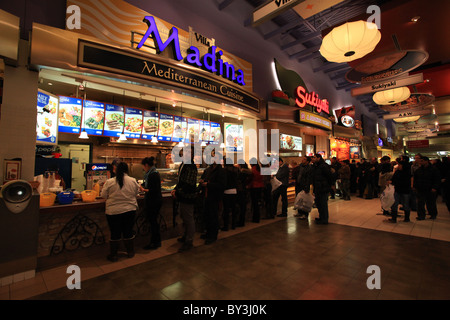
[(225, 190)]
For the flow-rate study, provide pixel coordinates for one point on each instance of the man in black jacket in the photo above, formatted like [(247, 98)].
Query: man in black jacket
[(213, 181), (427, 181), (321, 181), (185, 194), (283, 176)]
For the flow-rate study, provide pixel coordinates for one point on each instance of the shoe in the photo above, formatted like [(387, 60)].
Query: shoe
[(368, 198), (391, 220), (203, 236), (114, 248), (182, 239), (332, 197), (129, 245), (186, 246), (224, 229), (152, 246), (282, 215), (433, 218), (317, 219), (321, 222), (209, 241), (419, 218)]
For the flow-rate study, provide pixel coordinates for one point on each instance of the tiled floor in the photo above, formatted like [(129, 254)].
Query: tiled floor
[(281, 259)]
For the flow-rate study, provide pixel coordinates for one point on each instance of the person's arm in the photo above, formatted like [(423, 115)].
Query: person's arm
[(105, 190)]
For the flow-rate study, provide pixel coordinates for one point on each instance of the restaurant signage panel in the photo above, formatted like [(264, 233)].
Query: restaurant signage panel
[(109, 59), (315, 120), (406, 113), (271, 9), (391, 84), (417, 144), (386, 66)]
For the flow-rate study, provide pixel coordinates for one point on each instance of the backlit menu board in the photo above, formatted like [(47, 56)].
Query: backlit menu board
[(69, 116), (179, 129), (47, 118), (216, 133), (193, 130), (114, 120), (93, 117), (291, 142), (205, 130), (165, 127), (234, 137), (150, 126), (133, 123)]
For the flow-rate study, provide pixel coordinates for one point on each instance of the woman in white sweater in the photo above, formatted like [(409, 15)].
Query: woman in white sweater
[(121, 205)]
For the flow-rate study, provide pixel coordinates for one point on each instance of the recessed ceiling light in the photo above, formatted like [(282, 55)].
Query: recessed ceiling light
[(50, 84), (415, 19)]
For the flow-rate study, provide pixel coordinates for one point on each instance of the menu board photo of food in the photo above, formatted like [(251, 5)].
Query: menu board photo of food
[(216, 133), (93, 117), (150, 129), (114, 120), (291, 142), (234, 137), (69, 115), (133, 123), (355, 153), (193, 130), (165, 127), (179, 129), (205, 130), (47, 118)]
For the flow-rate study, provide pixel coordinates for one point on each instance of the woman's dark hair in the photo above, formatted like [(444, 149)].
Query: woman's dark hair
[(149, 161), (122, 169)]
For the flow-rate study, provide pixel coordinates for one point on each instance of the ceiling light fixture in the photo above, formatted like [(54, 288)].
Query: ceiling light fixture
[(350, 41), (83, 135), (154, 139), (391, 96), (415, 19), (407, 119)]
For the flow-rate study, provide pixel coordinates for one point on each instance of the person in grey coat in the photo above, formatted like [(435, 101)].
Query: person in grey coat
[(283, 176)]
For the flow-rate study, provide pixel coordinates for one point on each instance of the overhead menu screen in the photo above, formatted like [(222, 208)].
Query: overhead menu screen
[(216, 133), (165, 127), (193, 130), (150, 126), (114, 120), (69, 117), (133, 123), (47, 118), (93, 117), (179, 129), (205, 131)]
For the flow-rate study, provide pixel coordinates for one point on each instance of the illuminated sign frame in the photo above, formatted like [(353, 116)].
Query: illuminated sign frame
[(311, 99), (315, 120)]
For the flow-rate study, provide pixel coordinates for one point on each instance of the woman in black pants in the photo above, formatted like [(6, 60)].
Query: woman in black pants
[(121, 205), (153, 201)]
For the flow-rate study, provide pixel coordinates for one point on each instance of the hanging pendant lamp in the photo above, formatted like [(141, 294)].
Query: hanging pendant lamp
[(83, 135), (391, 96), (350, 41)]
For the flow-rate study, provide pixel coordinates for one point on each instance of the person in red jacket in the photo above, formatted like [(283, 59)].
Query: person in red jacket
[(256, 187)]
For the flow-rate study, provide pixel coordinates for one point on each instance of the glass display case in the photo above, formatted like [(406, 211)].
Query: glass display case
[(169, 178)]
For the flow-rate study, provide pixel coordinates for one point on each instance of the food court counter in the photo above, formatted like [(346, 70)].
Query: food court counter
[(80, 225)]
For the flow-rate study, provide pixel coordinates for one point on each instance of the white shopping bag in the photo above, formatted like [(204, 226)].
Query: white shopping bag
[(304, 201), (387, 197)]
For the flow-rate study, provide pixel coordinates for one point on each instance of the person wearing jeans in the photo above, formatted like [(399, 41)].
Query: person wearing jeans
[(401, 180)]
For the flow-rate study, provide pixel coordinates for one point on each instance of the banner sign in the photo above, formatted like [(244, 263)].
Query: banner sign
[(271, 9), (391, 84), (315, 120), (109, 59), (418, 144), (406, 113)]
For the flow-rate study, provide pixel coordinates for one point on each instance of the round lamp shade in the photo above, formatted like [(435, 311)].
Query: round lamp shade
[(350, 41), (407, 119), (391, 96)]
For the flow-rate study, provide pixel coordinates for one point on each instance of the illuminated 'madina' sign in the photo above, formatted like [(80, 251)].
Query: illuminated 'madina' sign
[(211, 61), (311, 99)]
